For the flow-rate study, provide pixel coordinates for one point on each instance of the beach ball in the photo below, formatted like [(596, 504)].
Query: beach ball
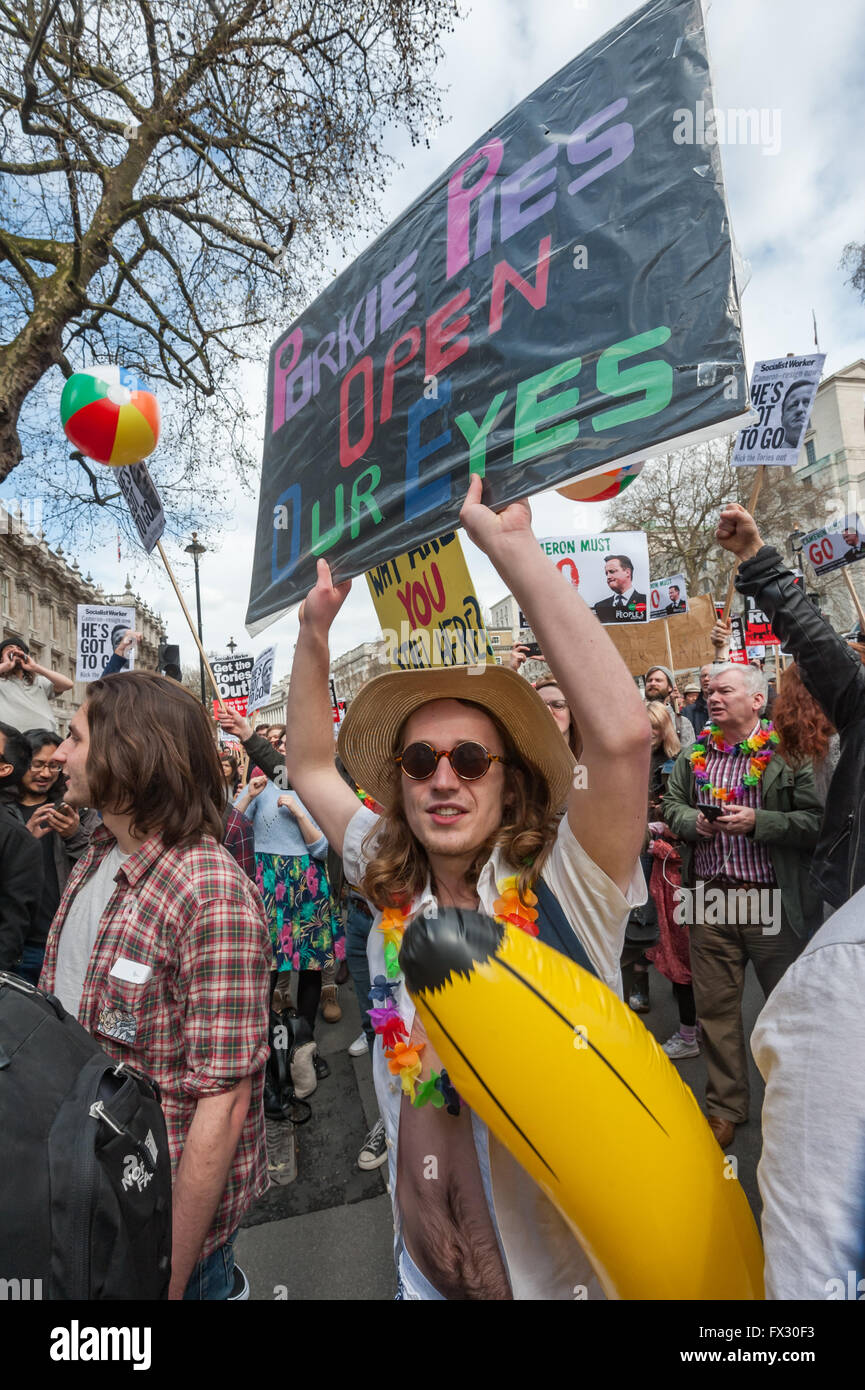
[(603, 486), (110, 415)]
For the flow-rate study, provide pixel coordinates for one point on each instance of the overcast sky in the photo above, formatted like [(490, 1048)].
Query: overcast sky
[(792, 213)]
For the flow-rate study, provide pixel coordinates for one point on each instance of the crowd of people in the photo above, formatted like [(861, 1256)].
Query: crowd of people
[(179, 891)]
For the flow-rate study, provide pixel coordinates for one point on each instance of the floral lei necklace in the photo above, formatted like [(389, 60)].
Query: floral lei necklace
[(403, 1057), (761, 747)]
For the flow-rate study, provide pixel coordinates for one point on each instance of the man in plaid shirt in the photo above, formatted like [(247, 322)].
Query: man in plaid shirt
[(160, 948)]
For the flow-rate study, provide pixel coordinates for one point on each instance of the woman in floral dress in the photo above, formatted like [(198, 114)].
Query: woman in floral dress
[(305, 927)]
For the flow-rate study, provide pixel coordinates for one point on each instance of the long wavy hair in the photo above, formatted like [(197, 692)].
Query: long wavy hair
[(152, 756), (398, 868), (799, 721), (233, 783), (661, 721)]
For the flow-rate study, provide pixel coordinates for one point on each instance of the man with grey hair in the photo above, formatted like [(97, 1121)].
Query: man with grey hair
[(747, 821)]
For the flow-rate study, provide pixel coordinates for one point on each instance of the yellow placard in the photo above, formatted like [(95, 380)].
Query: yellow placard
[(428, 609)]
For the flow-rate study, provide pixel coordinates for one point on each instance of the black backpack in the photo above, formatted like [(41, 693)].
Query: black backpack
[(85, 1197)]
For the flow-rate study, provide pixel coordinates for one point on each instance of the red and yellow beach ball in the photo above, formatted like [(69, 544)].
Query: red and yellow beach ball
[(110, 415), (602, 486)]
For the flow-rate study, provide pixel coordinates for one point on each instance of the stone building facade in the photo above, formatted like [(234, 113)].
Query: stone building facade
[(832, 461), (39, 595), (274, 711), (353, 669)]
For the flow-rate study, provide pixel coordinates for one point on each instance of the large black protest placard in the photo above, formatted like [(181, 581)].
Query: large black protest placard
[(561, 298)]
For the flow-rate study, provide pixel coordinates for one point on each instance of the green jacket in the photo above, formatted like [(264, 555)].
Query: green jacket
[(789, 824)]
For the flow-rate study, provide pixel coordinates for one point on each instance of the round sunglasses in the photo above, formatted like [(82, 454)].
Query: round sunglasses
[(469, 760)]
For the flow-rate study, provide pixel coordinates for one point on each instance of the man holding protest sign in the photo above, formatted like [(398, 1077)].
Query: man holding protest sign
[(452, 830)]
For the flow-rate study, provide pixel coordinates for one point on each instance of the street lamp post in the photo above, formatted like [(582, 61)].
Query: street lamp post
[(195, 550), (231, 645)]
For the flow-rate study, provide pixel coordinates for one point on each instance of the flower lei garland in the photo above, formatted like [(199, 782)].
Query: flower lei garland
[(761, 748), (403, 1057)]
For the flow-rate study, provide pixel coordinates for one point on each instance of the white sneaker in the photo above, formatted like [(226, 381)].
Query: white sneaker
[(359, 1046), (676, 1048)]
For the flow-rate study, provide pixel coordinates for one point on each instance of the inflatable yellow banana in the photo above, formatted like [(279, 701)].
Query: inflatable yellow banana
[(577, 1089)]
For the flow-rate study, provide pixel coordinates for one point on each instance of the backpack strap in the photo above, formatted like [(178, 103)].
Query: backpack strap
[(555, 930)]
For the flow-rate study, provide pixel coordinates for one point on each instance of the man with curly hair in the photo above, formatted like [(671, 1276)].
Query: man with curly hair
[(472, 773)]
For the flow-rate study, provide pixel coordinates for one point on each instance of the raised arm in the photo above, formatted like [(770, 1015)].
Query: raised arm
[(61, 683), (829, 670), (309, 756), (607, 810)]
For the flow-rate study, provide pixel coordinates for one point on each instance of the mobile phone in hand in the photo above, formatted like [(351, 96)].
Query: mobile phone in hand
[(711, 812)]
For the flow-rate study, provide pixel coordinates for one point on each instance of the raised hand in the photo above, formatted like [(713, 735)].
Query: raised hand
[(127, 640), (235, 723), (322, 603), (737, 532), (489, 529)]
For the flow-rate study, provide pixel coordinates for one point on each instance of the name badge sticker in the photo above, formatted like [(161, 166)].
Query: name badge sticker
[(133, 972)]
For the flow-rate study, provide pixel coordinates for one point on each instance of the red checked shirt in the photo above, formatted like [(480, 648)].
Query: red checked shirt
[(198, 1024), (732, 856)]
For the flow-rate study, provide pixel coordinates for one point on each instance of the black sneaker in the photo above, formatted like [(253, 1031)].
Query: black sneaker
[(374, 1151), (322, 1070)]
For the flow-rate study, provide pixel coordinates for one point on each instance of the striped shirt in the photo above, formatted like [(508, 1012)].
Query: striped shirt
[(198, 1024), (733, 856)]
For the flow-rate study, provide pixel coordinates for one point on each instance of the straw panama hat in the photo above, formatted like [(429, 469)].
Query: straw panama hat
[(367, 738)]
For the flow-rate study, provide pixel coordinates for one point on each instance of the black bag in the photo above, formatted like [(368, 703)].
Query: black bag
[(85, 1200), (285, 1032)]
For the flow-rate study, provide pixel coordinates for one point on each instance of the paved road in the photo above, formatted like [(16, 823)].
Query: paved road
[(330, 1235)]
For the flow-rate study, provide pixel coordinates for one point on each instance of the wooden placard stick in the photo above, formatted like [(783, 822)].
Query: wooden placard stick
[(752, 502), (188, 618), (669, 646)]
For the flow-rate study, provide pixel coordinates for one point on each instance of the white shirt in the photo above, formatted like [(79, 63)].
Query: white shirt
[(80, 930), (26, 706), (543, 1259), (809, 1044)]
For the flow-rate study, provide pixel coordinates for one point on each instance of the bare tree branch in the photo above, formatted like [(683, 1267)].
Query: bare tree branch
[(156, 160)]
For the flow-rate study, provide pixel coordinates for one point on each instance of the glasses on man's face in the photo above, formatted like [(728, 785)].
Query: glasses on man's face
[(46, 767), (556, 704), (469, 760)]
